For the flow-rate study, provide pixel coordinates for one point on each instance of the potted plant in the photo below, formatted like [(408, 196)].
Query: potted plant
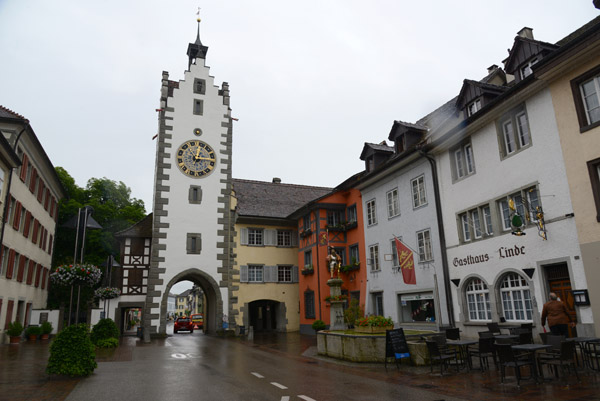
[(318, 325), (14, 331), (46, 330), (32, 332)]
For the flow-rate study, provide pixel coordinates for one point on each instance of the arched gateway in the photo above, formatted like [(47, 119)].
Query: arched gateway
[(192, 223)]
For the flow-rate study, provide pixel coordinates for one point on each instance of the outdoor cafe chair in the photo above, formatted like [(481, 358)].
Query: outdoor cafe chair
[(453, 333), (494, 328), (563, 361), (485, 334), (507, 359), (485, 349), (525, 337), (444, 359)]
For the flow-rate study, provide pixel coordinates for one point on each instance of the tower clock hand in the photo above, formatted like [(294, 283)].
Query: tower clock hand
[(197, 153)]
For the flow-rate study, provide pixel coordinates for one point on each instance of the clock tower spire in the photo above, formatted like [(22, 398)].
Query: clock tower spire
[(196, 49)]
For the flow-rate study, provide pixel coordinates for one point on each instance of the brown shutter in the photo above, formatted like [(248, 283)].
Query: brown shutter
[(21, 272), (11, 263), (24, 167), (41, 188), (9, 312), (27, 224), (38, 275), (36, 228), (32, 181), (44, 278), (17, 219), (30, 272)]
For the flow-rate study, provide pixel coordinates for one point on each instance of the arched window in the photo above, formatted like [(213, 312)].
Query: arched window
[(478, 300), (516, 298)]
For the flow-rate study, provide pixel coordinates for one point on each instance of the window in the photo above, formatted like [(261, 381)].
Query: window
[(516, 298), (395, 261), (284, 274), (526, 69), (354, 256), (478, 300), (392, 203), (378, 303), (199, 86), (487, 220), (4, 261), (463, 162), (525, 202), (424, 243), (352, 214), (255, 236), (417, 307), (473, 107), (476, 223), (515, 133), (371, 213), (309, 304), (198, 107), (334, 217), (255, 274), (418, 192), (307, 258), (195, 194), (374, 256), (284, 238), (341, 252), (594, 171), (306, 222), (194, 243), (586, 95)]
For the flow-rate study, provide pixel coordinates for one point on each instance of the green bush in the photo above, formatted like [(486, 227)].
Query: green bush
[(72, 352), (353, 313), (33, 331), (15, 329), (318, 325), (108, 343), (46, 327), (104, 329)]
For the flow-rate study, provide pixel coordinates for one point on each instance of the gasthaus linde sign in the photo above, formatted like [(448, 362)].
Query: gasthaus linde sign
[(503, 253)]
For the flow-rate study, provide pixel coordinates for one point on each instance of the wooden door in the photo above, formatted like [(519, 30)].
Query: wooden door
[(562, 289)]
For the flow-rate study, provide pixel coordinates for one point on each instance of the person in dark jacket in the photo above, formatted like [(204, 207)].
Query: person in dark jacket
[(558, 316)]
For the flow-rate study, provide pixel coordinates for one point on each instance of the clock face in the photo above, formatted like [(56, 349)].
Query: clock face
[(196, 159)]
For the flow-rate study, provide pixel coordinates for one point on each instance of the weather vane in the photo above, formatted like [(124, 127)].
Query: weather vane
[(198, 14)]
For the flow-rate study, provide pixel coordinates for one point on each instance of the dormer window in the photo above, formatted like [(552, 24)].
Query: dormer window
[(526, 69), (400, 144), (473, 107)]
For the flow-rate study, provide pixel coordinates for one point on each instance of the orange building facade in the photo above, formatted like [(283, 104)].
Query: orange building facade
[(334, 220)]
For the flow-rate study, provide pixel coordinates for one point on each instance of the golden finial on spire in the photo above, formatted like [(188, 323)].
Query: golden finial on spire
[(198, 15)]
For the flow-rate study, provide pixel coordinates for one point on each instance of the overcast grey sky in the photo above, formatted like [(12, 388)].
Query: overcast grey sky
[(310, 81)]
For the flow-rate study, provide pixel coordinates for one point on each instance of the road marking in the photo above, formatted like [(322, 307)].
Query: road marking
[(285, 398), (258, 375), (281, 386), (305, 398)]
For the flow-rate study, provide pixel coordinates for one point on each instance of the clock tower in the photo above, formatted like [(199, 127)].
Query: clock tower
[(192, 237)]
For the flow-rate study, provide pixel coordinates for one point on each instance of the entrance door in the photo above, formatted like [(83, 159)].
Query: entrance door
[(263, 315), (562, 289)]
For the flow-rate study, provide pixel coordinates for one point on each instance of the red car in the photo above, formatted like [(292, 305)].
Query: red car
[(183, 323)]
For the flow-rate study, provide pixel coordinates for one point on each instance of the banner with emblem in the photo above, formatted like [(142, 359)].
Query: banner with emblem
[(406, 262)]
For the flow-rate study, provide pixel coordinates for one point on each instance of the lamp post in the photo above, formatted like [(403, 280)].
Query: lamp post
[(84, 220)]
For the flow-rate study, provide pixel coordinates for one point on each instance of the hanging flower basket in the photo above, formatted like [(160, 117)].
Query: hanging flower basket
[(81, 274), (107, 293)]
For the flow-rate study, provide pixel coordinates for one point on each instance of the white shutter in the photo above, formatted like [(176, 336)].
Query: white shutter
[(244, 237), (243, 274), (272, 277), (271, 237), (294, 238), (294, 274)]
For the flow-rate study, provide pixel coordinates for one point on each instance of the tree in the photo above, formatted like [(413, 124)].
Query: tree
[(114, 210)]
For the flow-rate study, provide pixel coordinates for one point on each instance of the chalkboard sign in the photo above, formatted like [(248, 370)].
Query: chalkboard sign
[(395, 345)]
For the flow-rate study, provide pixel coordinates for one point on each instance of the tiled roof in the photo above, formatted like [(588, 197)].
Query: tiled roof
[(141, 229), (439, 115), (410, 125), (276, 200), (8, 113), (380, 146)]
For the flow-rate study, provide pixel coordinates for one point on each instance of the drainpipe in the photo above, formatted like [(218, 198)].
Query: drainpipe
[(8, 184), (438, 210)]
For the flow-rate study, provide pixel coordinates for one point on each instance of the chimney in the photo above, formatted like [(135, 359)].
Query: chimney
[(526, 33), (276, 180), (492, 68)]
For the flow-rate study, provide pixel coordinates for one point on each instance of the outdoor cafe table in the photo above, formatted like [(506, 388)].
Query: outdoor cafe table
[(532, 349), (581, 343), (463, 350)]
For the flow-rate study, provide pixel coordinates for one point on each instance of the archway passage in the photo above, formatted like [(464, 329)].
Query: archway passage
[(213, 309), (264, 315)]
